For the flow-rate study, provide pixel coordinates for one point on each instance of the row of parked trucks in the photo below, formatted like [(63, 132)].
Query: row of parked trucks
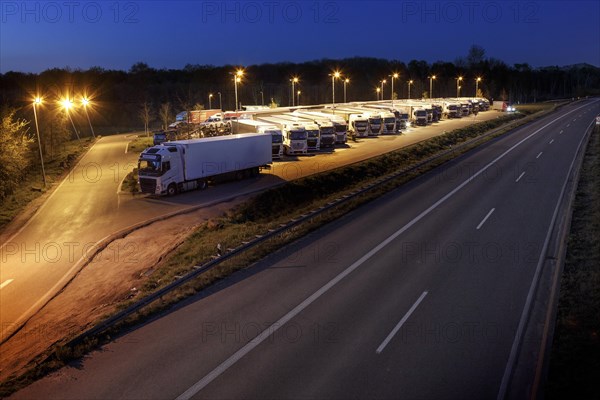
[(256, 137)]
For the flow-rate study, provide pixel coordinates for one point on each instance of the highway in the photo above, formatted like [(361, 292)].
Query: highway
[(417, 295), (86, 208)]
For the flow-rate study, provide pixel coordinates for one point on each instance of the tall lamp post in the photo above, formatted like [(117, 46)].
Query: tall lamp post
[(477, 80), (36, 102), (409, 83), (394, 76), (346, 81), (383, 82), (298, 102), (431, 78), (334, 75), (85, 102), (67, 104), (262, 98), (237, 77), (378, 90), (294, 80), (458, 80), (220, 101), (210, 96)]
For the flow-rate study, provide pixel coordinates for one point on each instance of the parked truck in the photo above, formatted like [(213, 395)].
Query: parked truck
[(358, 123), (294, 135), (178, 166), (340, 125), (252, 126), (325, 126), (313, 134)]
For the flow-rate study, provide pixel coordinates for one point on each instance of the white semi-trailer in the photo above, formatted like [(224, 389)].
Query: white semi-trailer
[(183, 165), (294, 135), (313, 132), (325, 126), (358, 123), (340, 126), (252, 126)]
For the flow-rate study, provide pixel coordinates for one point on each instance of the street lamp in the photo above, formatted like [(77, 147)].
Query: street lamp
[(85, 102), (477, 80), (220, 101), (36, 102), (394, 76), (378, 90), (431, 78), (298, 102), (237, 77), (67, 104), (346, 81), (460, 78), (382, 83), (334, 75), (294, 80), (210, 96), (262, 98), (409, 83)]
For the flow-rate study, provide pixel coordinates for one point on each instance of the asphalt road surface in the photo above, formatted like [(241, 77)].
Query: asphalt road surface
[(86, 208), (417, 295)]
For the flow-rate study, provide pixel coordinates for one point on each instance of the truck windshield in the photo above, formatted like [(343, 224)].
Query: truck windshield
[(275, 136), (327, 130), (421, 113), (298, 135), (149, 167), (313, 133), (339, 128), (390, 120)]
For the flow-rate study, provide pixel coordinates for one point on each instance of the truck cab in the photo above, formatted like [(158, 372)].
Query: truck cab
[(295, 139), (389, 122)]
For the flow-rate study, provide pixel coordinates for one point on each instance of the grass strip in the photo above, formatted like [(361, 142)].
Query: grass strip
[(575, 355)]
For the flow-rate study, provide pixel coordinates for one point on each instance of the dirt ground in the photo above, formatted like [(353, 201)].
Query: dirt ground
[(98, 287)]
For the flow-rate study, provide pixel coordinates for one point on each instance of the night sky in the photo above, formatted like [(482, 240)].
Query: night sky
[(38, 35)]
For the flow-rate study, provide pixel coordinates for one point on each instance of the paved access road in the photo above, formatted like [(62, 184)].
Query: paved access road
[(417, 295)]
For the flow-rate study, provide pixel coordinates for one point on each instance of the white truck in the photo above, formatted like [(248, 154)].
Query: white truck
[(294, 135), (178, 166), (313, 132), (452, 109), (374, 119), (252, 126), (358, 123), (340, 125), (326, 128)]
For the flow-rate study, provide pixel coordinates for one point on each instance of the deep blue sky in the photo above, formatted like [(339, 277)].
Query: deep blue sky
[(38, 35)]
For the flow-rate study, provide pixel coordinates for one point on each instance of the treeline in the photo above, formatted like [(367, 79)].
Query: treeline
[(125, 100)]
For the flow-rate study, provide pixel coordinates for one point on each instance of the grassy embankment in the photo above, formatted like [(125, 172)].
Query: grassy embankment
[(575, 357)]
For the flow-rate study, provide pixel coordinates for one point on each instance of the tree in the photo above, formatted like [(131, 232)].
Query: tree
[(475, 56), (165, 114), (15, 154), (144, 115)]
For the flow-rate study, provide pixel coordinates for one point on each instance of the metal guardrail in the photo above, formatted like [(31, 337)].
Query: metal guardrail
[(200, 269)]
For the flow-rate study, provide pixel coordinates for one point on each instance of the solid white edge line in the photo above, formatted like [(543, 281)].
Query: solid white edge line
[(399, 325), (551, 141), (202, 383), (127, 147), (520, 176), (486, 217), (539, 155), (6, 283), (532, 289)]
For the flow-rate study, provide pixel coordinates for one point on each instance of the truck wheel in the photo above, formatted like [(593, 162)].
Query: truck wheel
[(202, 184), (172, 189), (239, 175)]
